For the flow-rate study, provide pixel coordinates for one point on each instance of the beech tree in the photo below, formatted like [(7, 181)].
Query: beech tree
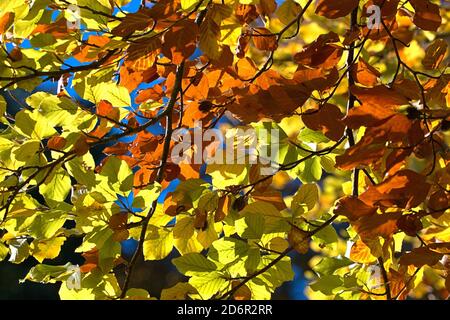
[(358, 174)]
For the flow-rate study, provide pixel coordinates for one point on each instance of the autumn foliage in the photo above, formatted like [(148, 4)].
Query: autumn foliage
[(357, 89)]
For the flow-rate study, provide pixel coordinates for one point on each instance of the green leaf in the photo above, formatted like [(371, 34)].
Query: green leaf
[(146, 196), (47, 224), (184, 228), (308, 135), (328, 266), (326, 236), (60, 111), (34, 125), (81, 168), (119, 174), (227, 250), (208, 284), (57, 188), (3, 251), (251, 226), (2, 109), (327, 284), (193, 264), (180, 291), (158, 243), (19, 250), (312, 170), (279, 273), (44, 273), (305, 199), (115, 94)]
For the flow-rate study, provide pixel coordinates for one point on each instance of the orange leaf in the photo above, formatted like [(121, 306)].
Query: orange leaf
[(406, 189), (377, 225), (323, 53), (353, 208), (246, 68), (106, 109), (180, 41), (365, 74), (434, 54), (92, 48), (264, 39), (328, 120), (120, 148), (56, 143), (6, 21), (361, 253)]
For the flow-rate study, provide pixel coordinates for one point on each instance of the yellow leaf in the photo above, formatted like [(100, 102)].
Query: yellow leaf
[(47, 249)]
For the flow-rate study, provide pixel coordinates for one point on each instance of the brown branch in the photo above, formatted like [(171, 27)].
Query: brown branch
[(160, 175), (351, 98), (385, 279)]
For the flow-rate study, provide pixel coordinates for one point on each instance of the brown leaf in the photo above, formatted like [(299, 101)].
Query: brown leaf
[(298, 239), (264, 39), (406, 189), (353, 208), (365, 74), (427, 16), (246, 13), (434, 54), (267, 7), (377, 225), (362, 253), (270, 196), (91, 260), (328, 120), (243, 293), (420, 257), (223, 207), (81, 147), (142, 54), (120, 148), (180, 41), (322, 53), (200, 220), (132, 22), (56, 143), (410, 224), (335, 9)]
